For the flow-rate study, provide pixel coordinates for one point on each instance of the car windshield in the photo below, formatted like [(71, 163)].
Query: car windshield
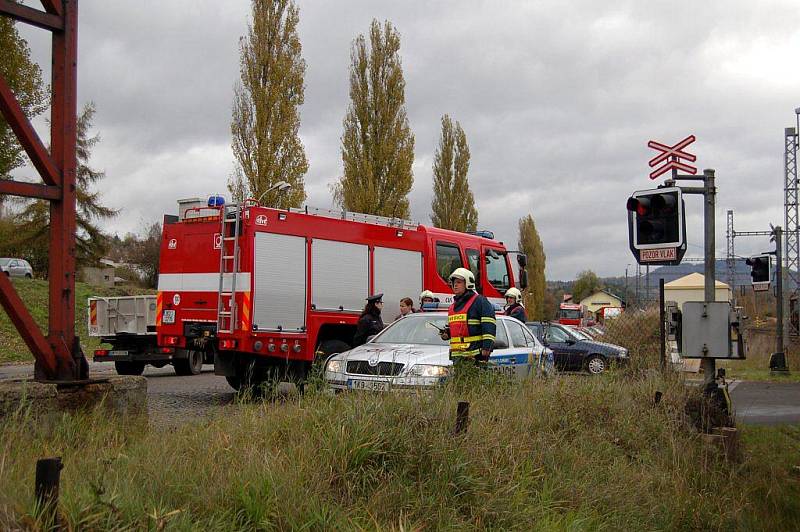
[(4, 262), (560, 334), (417, 329), (580, 334)]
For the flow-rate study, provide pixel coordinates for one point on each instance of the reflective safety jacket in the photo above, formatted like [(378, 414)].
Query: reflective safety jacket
[(472, 325)]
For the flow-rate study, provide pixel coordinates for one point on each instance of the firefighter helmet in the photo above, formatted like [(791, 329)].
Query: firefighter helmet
[(466, 275), (514, 293), (426, 294)]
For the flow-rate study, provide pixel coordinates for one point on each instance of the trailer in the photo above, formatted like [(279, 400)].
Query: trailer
[(128, 325)]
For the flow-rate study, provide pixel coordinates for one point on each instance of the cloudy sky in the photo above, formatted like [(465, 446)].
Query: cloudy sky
[(558, 100)]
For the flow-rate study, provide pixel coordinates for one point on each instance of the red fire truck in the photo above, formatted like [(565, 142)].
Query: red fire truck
[(573, 314), (263, 290)]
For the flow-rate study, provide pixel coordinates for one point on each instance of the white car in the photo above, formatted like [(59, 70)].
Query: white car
[(15, 267), (409, 354)]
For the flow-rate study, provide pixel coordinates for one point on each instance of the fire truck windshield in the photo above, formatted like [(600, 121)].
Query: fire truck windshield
[(571, 314), (497, 270)]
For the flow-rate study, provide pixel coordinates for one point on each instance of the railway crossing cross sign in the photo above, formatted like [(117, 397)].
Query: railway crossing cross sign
[(671, 157)]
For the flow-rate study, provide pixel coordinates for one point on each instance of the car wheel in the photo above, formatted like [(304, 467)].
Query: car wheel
[(7, 274), (596, 365), (28, 276), (191, 365), (125, 367)]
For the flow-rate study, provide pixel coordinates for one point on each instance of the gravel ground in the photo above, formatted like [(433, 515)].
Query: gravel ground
[(171, 400)]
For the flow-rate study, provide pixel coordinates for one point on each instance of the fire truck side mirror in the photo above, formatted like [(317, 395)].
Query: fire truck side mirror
[(523, 278), (522, 260)]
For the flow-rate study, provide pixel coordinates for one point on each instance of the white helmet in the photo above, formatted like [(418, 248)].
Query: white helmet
[(466, 275), (516, 294), (426, 293)]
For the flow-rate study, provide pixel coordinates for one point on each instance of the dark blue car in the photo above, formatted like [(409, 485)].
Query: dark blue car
[(576, 354)]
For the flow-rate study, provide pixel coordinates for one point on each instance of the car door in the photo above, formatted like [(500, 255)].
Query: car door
[(14, 268), (523, 347), (576, 351), (501, 359), (558, 341)]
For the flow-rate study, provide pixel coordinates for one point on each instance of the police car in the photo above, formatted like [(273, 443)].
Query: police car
[(409, 354)]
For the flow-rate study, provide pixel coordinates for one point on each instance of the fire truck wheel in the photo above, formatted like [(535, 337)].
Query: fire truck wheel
[(330, 347), (191, 365), (234, 382), (125, 367)]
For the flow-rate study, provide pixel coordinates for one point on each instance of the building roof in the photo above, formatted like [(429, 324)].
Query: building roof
[(693, 280), (603, 291)]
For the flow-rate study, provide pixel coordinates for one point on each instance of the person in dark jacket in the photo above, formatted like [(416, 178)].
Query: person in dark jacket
[(514, 306), (471, 323), (370, 322)]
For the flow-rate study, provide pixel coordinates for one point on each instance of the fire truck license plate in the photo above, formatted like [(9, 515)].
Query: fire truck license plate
[(373, 386), (168, 317)]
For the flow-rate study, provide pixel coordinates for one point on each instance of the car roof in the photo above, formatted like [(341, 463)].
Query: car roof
[(444, 314)]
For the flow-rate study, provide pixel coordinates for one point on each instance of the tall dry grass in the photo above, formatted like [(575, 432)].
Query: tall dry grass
[(561, 453), (569, 452)]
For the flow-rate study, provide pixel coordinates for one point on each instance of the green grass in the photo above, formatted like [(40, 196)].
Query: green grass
[(34, 292), (570, 453)]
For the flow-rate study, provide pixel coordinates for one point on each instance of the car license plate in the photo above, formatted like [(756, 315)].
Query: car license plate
[(118, 354), (373, 386), (168, 316)]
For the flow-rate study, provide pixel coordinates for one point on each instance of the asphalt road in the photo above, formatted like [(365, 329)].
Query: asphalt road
[(173, 399), (766, 403)]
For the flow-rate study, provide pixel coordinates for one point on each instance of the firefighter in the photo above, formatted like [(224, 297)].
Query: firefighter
[(470, 321), (514, 306), (426, 297), (370, 322)]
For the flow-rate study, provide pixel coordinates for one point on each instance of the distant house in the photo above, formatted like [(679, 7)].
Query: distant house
[(602, 299), (692, 288)]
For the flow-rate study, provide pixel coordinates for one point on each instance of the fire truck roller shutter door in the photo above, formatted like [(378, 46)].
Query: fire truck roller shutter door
[(280, 282), (398, 274), (340, 275)]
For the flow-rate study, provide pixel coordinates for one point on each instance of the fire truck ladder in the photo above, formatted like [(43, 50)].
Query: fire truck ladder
[(228, 267)]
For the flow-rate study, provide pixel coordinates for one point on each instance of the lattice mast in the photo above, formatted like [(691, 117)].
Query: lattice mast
[(730, 260), (792, 250)]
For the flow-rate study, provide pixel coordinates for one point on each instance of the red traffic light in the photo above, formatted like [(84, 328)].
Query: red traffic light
[(640, 206)]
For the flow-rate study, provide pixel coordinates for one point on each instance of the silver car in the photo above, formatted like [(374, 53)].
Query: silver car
[(16, 267), (409, 354)]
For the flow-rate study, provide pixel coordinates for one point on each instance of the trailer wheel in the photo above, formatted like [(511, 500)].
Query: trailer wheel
[(191, 365), (125, 367)]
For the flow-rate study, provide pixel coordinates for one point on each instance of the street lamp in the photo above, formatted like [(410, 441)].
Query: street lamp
[(279, 186)]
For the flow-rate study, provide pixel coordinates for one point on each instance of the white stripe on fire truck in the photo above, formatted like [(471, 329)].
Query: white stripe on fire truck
[(201, 282), (446, 299)]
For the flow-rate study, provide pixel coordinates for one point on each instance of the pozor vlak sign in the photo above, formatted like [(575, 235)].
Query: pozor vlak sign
[(657, 226)]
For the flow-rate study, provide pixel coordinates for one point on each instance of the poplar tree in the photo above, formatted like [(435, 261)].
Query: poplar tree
[(24, 77), (377, 143), (453, 204), (266, 118), (531, 245)]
